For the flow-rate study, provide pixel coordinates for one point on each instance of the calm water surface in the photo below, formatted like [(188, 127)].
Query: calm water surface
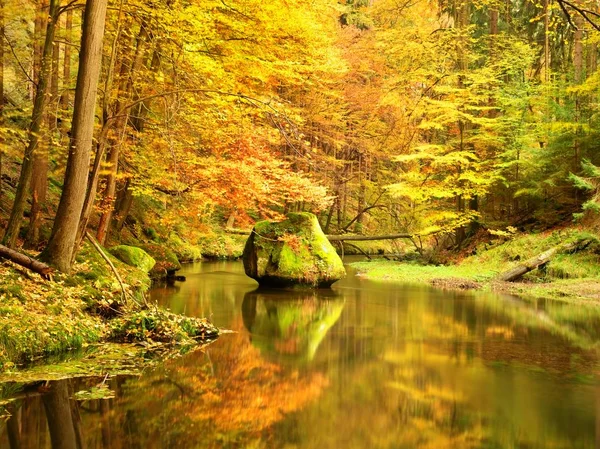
[(365, 365)]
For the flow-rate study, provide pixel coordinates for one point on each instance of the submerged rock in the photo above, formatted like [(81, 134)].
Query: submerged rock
[(134, 256), (293, 252)]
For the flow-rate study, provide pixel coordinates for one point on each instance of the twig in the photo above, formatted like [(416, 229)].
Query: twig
[(96, 245)]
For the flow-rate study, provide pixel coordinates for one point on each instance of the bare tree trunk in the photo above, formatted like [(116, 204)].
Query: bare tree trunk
[(60, 248), (39, 182), (578, 78), (2, 30), (123, 206), (108, 199), (16, 215), (546, 41), (93, 177), (66, 78), (494, 21)]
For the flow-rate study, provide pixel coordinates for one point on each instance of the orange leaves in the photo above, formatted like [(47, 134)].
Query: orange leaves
[(234, 394)]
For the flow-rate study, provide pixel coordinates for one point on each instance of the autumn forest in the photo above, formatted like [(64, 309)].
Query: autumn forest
[(378, 116), (391, 205)]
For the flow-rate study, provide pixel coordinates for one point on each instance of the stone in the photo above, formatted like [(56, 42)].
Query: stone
[(290, 253), (134, 256), (166, 261)]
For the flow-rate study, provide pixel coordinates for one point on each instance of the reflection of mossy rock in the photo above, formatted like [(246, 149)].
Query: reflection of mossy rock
[(131, 255), (166, 260), (292, 252), (290, 328)]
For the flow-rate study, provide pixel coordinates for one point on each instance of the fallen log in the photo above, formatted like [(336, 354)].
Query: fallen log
[(344, 237), (531, 264), (348, 237), (25, 261)]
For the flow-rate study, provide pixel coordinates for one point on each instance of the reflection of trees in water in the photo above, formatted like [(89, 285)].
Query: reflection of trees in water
[(52, 404), (290, 324), (227, 399)]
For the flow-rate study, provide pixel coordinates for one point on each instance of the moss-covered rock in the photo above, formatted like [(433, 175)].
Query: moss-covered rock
[(131, 255), (294, 252), (166, 261)]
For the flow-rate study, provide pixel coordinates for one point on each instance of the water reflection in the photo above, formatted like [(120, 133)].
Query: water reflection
[(370, 365), (290, 325)]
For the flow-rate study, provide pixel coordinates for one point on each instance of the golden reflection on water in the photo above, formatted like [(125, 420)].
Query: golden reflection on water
[(366, 365)]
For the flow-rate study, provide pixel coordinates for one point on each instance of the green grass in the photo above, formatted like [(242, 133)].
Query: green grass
[(567, 276)]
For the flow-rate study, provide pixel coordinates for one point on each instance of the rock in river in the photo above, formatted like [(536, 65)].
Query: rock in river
[(293, 252)]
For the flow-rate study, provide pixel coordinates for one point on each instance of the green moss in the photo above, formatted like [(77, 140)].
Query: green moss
[(292, 252), (222, 246), (166, 260), (131, 255), (184, 250), (566, 277), (162, 326)]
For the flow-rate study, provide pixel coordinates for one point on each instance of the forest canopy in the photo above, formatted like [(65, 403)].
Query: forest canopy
[(128, 117)]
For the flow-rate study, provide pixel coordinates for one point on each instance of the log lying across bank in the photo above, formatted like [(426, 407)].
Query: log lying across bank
[(346, 237), (531, 264), (25, 261)]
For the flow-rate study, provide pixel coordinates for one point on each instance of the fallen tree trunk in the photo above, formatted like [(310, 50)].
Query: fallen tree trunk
[(531, 264), (348, 237), (343, 237), (25, 261)]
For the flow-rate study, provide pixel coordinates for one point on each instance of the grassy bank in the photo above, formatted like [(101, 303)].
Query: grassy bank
[(571, 276), (39, 318)]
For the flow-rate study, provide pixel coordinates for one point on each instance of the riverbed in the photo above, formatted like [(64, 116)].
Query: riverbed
[(364, 365)]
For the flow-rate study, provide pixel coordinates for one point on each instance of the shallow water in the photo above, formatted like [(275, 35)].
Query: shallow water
[(364, 365)]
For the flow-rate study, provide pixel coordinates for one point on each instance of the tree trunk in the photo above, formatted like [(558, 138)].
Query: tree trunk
[(2, 30), (494, 21), (61, 246), (123, 207), (108, 199), (546, 77), (16, 215), (25, 261), (66, 78), (93, 177), (39, 182), (578, 49)]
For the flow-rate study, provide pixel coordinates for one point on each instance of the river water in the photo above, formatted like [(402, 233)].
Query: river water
[(363, 365)]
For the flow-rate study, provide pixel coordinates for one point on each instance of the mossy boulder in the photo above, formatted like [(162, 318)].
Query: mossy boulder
[(166, 261), (131, 255), (293, 252)]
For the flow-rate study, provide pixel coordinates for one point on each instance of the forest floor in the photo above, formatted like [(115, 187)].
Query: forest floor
[(571, 277), (39, 318)]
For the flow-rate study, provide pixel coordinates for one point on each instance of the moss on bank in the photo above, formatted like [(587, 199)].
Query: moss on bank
[(572, 277), (39, 318)]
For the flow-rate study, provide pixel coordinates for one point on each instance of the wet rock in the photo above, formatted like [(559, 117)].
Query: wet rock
[(293, 252), (166, 261)]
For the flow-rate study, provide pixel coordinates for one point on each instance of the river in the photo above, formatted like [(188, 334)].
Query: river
[(363, 365)]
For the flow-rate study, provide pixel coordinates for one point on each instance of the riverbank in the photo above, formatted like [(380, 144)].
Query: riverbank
[(39, 318), (572, 277)]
